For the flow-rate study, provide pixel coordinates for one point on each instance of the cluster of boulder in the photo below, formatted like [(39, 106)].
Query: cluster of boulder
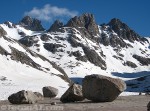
[(96, 88), (29, 97)]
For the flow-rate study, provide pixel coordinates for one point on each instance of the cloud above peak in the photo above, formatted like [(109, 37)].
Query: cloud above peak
[(50, 13)]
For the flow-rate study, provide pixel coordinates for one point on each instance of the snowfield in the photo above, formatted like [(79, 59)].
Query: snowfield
[(15, 76)]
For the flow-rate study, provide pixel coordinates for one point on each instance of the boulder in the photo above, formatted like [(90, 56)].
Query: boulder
[(49, 91), (100, 88), (39, 95), (23, 97), (148, 106), (74, 93)]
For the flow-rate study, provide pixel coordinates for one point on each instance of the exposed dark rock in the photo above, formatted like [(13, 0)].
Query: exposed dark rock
[(22, 34), (45, 37), (23, 97), (50, 92), (82, 58), (55, 26), (94, 58), (117, 57), (23, 58), (31, 24), (131, 64), (142, 60), (115, 41), (52, 47), (10, 25), (148, 106), (73, 42), (64, 76), (100, 88), (29, 41), (3, 51), (74, 93), (124, 31), (2, 32), (86, 21), (104, 39), (76, 54)]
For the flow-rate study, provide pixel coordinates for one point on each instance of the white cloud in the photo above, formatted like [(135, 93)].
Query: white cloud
[(49, 13)]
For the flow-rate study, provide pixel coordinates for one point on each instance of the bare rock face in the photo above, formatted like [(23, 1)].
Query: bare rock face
[(86, 21), (55, 26), (74, 93), (49, 91), (142, 60), (2, 32), (23, 97), (131, 64), (31, 24), (124, 31), (100, 88), (94, 58)]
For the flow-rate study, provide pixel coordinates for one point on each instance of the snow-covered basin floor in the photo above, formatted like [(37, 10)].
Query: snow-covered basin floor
[(16, 76)]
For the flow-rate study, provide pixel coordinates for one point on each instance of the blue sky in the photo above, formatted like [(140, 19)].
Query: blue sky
[(135, 13)]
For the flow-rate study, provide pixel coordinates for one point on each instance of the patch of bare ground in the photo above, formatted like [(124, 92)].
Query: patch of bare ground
[(122, 103)]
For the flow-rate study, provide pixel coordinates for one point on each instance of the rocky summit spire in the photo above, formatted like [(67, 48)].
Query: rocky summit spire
[(123, 30), (87, 21), (55, 26), (31, 24)]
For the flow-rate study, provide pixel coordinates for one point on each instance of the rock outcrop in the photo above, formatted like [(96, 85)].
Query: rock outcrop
[(100, 88), (131, 64), (50, 92), (31, 24), (55, 26), (2, 32), (85, 21), (74, 93), (142, 60)]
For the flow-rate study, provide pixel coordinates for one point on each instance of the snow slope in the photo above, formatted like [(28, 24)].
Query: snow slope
[(16, 77)]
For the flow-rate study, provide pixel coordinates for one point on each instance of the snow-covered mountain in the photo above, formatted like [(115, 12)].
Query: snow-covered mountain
[(78, 48)]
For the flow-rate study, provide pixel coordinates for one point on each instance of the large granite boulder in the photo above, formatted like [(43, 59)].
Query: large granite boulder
[(49, 91), (148, 106), (74, 93), (100, 88), (23, 97)]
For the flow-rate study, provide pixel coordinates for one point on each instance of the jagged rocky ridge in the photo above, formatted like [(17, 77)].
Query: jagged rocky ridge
[(78, 48), (114, 34)]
